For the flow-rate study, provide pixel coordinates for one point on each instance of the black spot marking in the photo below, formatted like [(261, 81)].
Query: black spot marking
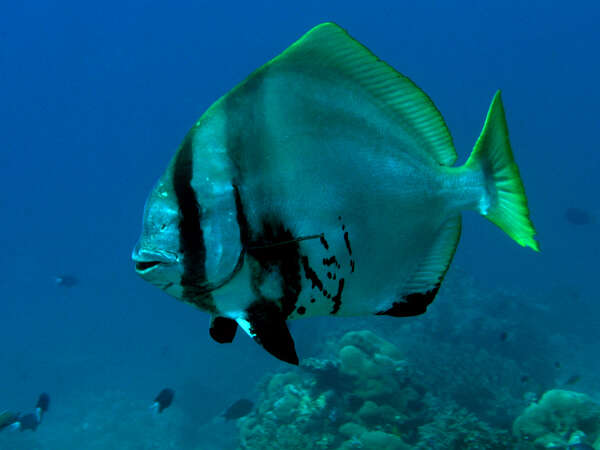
[(343, 227), (329, 275), (339, 217), (222, 329), (348, 243), (312, 300), (324, 242), (301, 310), (191, 237), (325, 293), (413, 304), (351, 265), (311, 274), (330, 261), (337, 298)]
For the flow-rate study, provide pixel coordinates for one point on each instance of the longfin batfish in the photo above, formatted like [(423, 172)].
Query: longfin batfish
[(321, 185)]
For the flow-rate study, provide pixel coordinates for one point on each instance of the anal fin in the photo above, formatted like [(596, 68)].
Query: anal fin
[(266, 324), (426, 280)]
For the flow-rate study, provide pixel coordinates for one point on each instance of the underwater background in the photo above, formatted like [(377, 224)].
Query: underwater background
[(94, 99)]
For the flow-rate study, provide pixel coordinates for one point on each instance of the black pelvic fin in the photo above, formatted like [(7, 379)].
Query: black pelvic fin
[(268, 326), (222, 329)]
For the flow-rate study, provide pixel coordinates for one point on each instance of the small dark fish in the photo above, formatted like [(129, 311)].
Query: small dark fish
[(503, 336), (557, 364), (524, 378), (42, 406), (163, 400), (66, 280), (239, 409), (572, 380), (579, 216)]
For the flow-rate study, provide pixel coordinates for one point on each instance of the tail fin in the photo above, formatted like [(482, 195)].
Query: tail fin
[(505, 204)]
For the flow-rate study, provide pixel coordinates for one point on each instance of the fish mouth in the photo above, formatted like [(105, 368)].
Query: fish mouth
[(146, 261), (143, 266)]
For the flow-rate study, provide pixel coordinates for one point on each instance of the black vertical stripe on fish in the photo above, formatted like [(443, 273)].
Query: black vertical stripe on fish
[(263, 256), (413, 304), (191, 236), (284, 259), (337, 298), (237, 156), (235, 126)]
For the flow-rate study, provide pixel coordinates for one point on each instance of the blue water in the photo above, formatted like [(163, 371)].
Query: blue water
[(96, 96)]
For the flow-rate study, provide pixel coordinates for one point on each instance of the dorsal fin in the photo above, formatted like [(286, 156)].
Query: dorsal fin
[(327, 47)]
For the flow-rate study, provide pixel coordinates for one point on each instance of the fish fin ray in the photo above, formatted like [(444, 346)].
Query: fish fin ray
[(328, 47), (504, 203), (266, 324), (426, 280)]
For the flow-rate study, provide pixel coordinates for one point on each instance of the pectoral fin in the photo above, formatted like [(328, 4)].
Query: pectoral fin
[(222, 329), (265, 324)]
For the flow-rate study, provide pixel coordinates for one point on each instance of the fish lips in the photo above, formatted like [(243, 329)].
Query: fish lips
[(147, 261)]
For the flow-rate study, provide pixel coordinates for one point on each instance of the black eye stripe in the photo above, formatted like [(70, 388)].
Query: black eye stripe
[(191, 236)]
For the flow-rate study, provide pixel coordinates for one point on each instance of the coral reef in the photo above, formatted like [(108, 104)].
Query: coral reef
[(560, 418), (364, 397)]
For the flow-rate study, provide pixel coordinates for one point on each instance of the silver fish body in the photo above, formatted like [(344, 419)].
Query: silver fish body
[(321, 185)]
